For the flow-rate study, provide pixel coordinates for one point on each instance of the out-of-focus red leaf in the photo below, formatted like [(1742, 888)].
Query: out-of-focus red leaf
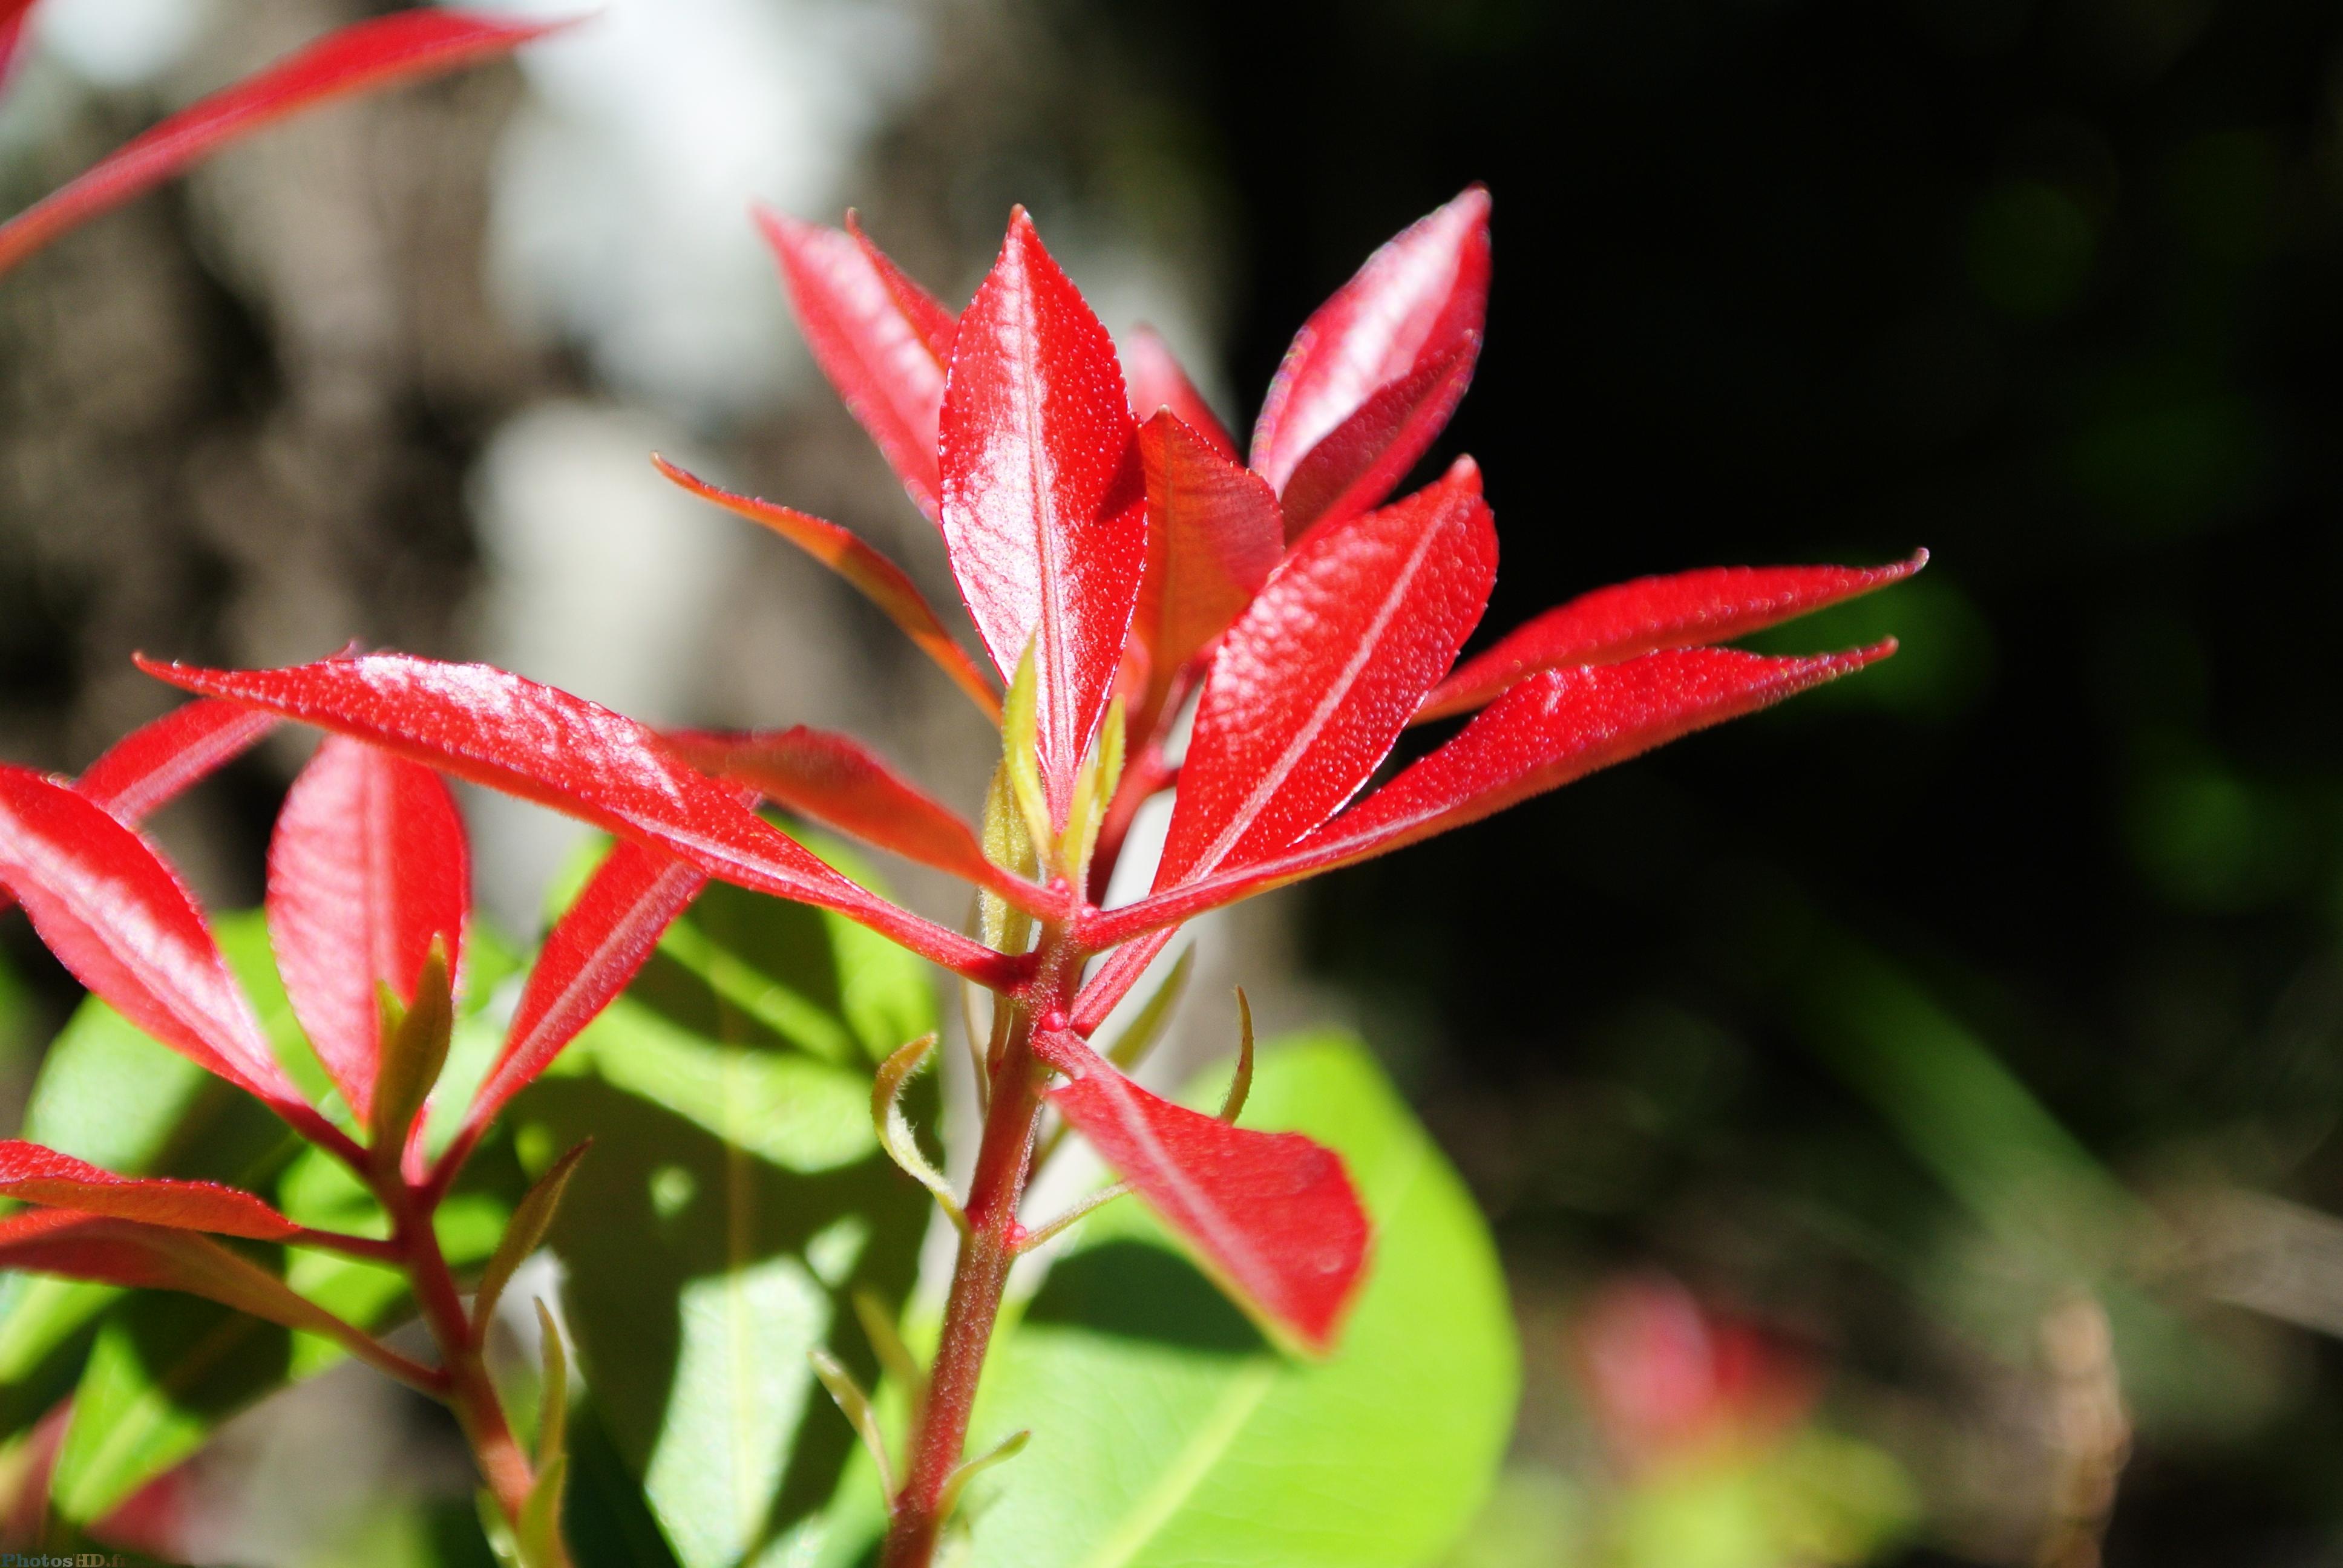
[(882, 340), (931, 318), (362, 57), (836, 779), (118, 917), (24, 1508), (39, 1175), (368, 866), (1557, 726), (1212, 539), (1368, 454), (1271, 1215), (1418, 300), (876, 577), (494, 727), (154, 1258), (1158, 381), (592, 952), (1044, 510), (1611, 624), (1318, 677), (157, 762), (14, 14)]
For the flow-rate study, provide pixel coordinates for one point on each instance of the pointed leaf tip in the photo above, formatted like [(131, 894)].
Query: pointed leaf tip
[(1044, 510), (1412, 318), (882, 341), (364, 56), (869, 573), (1624, 621), (1272, 1215)]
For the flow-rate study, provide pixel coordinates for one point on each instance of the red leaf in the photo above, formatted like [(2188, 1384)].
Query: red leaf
[(836, 779), (1315, 682), (881, 338), (1044, 513), (118, 917), (876, 577), (1358, 465), (1557, 726), (1157, 382), (14, 14), (931, 318), (359, 58), (156, 1258), (1418, 300), (369, 865), (1272, 1215), (1212, 538), (39, 1175), (1619, 622), (155, 763), (588, 958), (496, 729)]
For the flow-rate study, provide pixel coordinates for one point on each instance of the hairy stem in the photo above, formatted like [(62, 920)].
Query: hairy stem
[(986, 1250)]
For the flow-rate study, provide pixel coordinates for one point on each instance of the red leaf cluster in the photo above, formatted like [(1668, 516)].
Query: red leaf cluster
[(1108, 537)]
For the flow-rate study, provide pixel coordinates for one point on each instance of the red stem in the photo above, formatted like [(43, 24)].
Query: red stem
[(986, 1250), (468, 1391)]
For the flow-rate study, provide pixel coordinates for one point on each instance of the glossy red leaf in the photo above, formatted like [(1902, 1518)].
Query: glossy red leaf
[(156, 1258), (39, 1175), (1044, 512), (1619, 622), (367, 869), (876, 577), (1557, 726), (118, 917), (1320, 675), (1271, 1215), (836, 779), (1213, 537), (157, 762), (882, 340), (1367, 455), (494, 727), (1418, 300), (587, 958), (362, 57), (1158, 382)]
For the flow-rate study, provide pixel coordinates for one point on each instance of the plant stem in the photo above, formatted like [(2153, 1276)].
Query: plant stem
[(986, 1250), (469, 1393)]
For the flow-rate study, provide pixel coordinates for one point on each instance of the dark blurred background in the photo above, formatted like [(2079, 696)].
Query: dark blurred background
[(1967, 1038)]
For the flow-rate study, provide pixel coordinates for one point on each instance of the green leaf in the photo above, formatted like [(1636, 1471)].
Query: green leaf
[(165, 1371), (735, 1199), (1166, 1433)]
